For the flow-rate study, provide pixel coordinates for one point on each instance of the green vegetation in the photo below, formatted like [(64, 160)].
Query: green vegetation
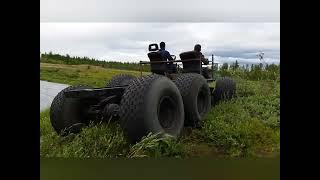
[(255, 72), (247, 126), (101, 141), (80, 74), (69, 60)]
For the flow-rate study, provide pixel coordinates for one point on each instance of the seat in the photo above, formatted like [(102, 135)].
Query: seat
[(158, 68), (191, 66)]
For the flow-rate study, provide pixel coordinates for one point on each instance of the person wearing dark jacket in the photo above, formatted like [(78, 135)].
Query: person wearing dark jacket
[(197, 48), (205, 70), (167, 57)]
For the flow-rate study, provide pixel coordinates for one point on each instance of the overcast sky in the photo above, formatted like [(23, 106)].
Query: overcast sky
[(160, 10), (129, 41)]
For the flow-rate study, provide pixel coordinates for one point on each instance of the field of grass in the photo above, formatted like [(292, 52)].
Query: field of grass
[(95, 76), (247, 126)]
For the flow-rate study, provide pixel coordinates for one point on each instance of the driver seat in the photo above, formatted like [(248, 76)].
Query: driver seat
[(158, 68), (191, 66)]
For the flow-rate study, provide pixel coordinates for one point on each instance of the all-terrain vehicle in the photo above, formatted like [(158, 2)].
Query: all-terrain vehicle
[(162, 102)]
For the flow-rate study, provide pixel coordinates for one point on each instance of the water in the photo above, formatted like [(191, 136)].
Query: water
[(48, 91)]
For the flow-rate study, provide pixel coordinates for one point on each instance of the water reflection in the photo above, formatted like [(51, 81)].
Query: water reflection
[(48, 91)]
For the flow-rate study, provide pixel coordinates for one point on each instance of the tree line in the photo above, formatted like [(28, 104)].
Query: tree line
[(75, 60), (252, 72)]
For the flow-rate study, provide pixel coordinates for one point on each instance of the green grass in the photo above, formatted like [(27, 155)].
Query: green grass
[(102, 141), (94, 76), (247, 126)]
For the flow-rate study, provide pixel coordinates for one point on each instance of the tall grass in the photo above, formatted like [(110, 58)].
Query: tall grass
[(247, 126), (94, 76)]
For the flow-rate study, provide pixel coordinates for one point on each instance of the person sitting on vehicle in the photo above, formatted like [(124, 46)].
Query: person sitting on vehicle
[(197, 48), (205, 61), (166, 56)]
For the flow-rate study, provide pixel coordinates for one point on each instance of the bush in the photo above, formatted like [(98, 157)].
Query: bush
[(270, 72)]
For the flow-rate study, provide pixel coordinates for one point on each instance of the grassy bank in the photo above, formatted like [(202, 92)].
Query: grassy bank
[(248, 126), (80, 74)]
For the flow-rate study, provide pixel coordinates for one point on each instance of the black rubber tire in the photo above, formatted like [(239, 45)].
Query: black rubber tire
[(196, 97), (151, 104), (225, 89), (120, 80), (65, 112)]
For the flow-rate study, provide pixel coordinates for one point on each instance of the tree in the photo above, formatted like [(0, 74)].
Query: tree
[(243, 67), (236, 65), (247, 66), (225, 66)]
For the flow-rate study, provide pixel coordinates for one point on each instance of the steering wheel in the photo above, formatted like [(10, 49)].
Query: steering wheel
[(173, 57)]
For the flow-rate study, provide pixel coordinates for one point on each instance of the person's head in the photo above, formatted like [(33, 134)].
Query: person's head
[(197, 47), (162, 45)]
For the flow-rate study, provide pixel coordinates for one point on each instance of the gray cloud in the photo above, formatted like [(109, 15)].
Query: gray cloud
[(129, 41), (160, 11)]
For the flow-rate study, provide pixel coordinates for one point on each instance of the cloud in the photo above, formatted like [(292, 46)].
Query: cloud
[(129, 41), (160, 11)]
